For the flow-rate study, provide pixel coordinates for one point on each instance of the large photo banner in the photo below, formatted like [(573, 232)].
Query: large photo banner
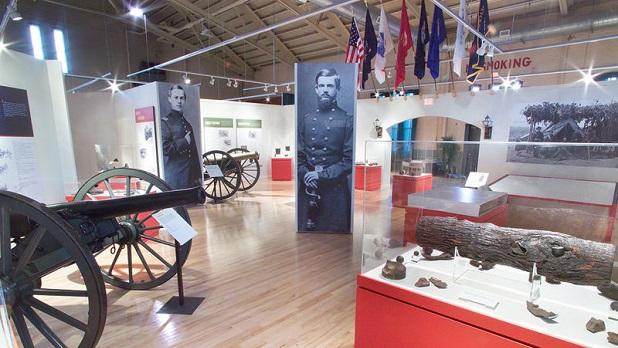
[(325, 118), (179, 138)]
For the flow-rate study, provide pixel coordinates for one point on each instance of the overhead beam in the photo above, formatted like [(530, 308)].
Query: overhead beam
[(249, 12), (202, 13), (564, 7), (291, 6)]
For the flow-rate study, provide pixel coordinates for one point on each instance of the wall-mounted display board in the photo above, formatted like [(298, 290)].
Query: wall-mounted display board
[(219, 134), (325, 118), (180, 136), (18, 162), (145, 135), (249, 134)]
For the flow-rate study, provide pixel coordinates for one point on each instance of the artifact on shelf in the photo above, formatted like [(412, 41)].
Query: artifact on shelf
[(579, 261), (482, 265), (394, 269), (427, 255), (612, 338), (540, 312), (595, 325), (438, 283), (614, 305), (610, 290), (412, 168), (422, 282)]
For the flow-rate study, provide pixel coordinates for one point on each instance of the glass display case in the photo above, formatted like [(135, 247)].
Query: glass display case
[(508, 244)]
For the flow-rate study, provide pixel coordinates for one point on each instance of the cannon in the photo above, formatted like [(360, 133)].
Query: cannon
[(240, 171), (116, 240)]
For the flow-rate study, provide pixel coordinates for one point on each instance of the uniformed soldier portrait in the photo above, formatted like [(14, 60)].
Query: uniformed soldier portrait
[(325, 143), (181, 160)]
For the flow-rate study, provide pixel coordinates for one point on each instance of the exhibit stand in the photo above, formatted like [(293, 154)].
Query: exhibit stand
[(281, 168), (406, 184), (368, 177)]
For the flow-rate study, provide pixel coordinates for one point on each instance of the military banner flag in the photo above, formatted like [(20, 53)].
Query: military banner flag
[(460, 40), (422, 38), (476, 64), (404, 45), (438, 35), (371, 46), (385, 45)]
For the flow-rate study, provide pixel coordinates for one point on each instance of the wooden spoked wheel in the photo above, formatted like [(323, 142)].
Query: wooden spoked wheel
[(223, 185), (250, 170), (147, 259), (38, 251)]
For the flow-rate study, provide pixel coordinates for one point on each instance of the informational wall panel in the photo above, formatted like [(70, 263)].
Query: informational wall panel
[(249, 134), (219, 134), (145, 135)]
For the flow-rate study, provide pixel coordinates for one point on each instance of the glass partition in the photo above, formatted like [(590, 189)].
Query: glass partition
[(516, 230)]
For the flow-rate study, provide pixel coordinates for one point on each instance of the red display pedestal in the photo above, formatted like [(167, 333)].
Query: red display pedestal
[(406, 184), (373, 175), (496, 216), (281, 169), (389, 316)]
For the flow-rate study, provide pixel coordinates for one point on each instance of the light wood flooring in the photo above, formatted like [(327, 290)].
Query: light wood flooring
[(264, 284)]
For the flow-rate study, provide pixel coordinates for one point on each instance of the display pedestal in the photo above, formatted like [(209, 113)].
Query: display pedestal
[(390, 316), (281, 169), (406, 184), (373, 176)]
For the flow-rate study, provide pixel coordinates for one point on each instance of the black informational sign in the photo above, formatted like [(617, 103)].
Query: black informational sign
[(14, 113)]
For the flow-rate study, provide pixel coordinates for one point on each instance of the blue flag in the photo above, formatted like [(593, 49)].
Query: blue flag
[(422, 38), (371, 47), (438, 35)]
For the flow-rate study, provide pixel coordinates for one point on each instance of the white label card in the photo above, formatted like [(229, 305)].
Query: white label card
[(476, 179), (213, 170), (175, 225)]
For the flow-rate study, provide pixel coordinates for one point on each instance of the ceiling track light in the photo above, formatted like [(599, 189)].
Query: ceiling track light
[(15, 16), (517, 84), (212, 81), (287, 88), (276, 89), (235, 83), (265, 88), (229, 83), (186, 79), (268, 99), (136, 12)]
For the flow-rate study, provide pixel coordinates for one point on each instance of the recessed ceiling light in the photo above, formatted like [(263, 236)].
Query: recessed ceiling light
[(136, 12)]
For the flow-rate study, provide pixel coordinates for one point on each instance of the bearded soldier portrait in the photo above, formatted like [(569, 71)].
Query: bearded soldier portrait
[(325, 158), (180, 157)]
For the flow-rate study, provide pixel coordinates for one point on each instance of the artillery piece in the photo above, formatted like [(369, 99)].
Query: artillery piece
[(240, 171), (40, 246)]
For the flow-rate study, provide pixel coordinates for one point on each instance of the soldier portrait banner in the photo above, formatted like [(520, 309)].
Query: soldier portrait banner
[(325, 119)]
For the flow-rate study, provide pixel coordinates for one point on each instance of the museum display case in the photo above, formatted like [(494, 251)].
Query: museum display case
[(509, 244)]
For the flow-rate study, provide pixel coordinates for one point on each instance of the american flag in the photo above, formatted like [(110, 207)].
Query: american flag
[(355, 52)]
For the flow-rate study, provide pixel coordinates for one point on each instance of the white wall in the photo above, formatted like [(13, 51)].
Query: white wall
[(44, 84)]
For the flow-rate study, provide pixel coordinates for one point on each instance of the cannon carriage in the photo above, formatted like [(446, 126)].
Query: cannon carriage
[(239, 171), (115, 241)]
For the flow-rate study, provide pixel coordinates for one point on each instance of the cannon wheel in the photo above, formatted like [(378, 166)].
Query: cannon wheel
[(73, 317), (250, 170), (154, 247), (221, 188)]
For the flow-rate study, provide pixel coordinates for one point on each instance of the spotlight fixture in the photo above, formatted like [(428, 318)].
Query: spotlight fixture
[(495, 87), (136, 12), (517, 84), (235, 83), (268, 99), (212, 81), (229, 83), (265, 88), (402, 93), (475, 88), (276, 89), (288, 89), (388, 74), (186, 79), (114, 86), (15, 16)]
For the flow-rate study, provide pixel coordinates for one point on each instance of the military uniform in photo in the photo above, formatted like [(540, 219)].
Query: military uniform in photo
[(181, 162), (325, 139)]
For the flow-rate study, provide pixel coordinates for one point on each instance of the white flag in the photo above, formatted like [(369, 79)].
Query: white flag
[(385, 45), (460, 41)]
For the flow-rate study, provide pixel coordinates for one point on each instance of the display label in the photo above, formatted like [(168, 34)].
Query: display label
[(214, 122), (476, 179), (175, 225), (240, 123), (14, 113), (213, 170)]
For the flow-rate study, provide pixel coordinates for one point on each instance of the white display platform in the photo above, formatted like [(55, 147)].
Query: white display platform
[(591, 192), (457, 200), (574, 304)]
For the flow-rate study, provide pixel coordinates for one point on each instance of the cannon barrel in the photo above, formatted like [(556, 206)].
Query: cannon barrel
[(132, 205)]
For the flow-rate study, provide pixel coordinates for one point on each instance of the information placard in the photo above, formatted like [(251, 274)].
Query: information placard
[(175, 225)]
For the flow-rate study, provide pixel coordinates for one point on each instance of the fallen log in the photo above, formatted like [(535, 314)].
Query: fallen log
[(558, 256)]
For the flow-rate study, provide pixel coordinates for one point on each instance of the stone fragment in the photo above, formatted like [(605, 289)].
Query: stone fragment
[(421, 282), (595, 325), (438, 283)]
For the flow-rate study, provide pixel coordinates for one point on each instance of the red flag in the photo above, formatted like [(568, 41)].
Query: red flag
[(404, 45)]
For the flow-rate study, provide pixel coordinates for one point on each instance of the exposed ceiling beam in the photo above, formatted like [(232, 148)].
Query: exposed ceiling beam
[(291, 5), (249, 12), (174, 30), (337, 23), (229, 7), (564, 7), (202, 13)]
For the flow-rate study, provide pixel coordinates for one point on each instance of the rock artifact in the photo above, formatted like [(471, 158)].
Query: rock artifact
[(438, 283), (476, 263), (610, 291), (422, 282), (427, 255), (559, 256), (394, 269), (595, 325), (540, 312), (612, 338), (614, 305), (486, 265)]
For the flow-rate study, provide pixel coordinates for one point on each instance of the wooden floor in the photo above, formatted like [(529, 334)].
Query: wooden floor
[(264, 284)]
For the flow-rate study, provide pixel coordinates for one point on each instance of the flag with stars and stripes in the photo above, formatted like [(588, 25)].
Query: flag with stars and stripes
[(356, 49)]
